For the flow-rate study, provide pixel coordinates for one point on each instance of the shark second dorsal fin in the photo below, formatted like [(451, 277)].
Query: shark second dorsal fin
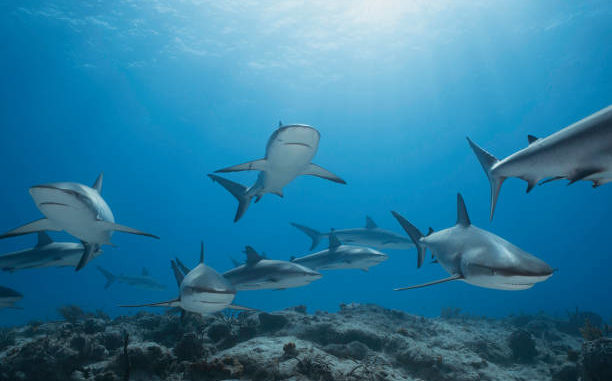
[(145, 272), (334, 243), (531, 138), (98, 183), (201, 252), (43, 239), (462, 215), (251, 256), (370, 224)]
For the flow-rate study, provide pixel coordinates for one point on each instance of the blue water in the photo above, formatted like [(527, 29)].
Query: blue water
[(158, 94)]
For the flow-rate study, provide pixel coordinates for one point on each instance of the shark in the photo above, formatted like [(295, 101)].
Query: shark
[(370, 235), (8, 298), (202, 290), (339, 256), (144, 281), (476, 256), (581, 151), (289, 152), (46, 253), (77, 209), (260, 273)]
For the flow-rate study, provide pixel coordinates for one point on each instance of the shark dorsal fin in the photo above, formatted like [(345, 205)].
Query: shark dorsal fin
[(252, 256), (98, 184), (334, 243), (430, 231), (531, 138), (201, 252), (462, 215), (370, 224), (43, 239), (145, 272)]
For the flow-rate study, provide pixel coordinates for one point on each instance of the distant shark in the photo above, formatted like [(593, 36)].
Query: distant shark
[(143, 281), (476, 256), (288, 154), (201, 290), (339, 256), (581, 151), (79, 210), (371, 236), (260, 273), (8, 298), (46, 253)]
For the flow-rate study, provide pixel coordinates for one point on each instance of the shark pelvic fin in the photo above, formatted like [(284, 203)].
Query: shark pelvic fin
[(370, 224), (582, 174), (88, 254), (169, 303), (97, 185), (255, 165), (252, 256), (462, 215), (178, 275), (414, 234), (488, 161), (33, 227), (334, 243), (110, 278), (237, 190), (450, 278), (314, 235), (43, 239), (315, 170)]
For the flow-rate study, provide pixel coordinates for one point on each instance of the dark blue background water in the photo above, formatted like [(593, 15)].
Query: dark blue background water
[(158, 94)]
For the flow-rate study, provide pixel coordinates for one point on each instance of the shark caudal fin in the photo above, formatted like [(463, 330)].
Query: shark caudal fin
[(314, 235), (33, 227), (488, 161), (184, 269), (178, 275), (110, 278), (237, 190), (414, 234)]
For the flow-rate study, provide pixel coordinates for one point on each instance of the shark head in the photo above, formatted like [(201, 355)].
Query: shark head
[(8, 297), (295, 275), (205, 291), (365, 257), (296, 135)]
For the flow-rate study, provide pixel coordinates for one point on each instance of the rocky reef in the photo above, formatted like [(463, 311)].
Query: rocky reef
[(359, 342)]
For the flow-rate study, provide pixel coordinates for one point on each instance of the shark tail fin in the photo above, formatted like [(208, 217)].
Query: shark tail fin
[(314, 235), (181, 266), (110, 278), (415, 235), (488, 161), (178, 275), (237, 190)]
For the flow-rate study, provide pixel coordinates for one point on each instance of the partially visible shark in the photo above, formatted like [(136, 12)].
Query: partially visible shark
[(477, 256), (289, 152), (144, 281), (46, 253), (201, 290), (339, 256), (79, 210), (581, 151), (8, 298), (260, 273), (370, 235)]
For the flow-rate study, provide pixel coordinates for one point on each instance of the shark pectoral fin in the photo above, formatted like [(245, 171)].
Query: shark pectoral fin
[(33, 227), (88, 254), (237, 190), (255, 165), (365, 269), (488, 161), (240, 308), (454, 277), (315, 170), (169, 303), (125, 229)]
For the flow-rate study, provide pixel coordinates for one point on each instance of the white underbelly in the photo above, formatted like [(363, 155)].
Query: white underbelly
[(207, 303)]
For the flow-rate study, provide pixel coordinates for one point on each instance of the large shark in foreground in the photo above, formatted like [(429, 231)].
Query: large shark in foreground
[(581, 151), (259, 273), (288, 154), (79, 210), (46, 253), (339, 256), (476, 256), (143, 281), (370, 235), (201, 290), (8, 298)]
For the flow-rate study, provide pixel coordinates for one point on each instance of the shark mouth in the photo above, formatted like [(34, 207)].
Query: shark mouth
[(53, 203), (298, 144), (210, 290)]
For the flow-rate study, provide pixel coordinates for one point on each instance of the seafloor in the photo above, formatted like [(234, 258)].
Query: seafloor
[(360, 342)]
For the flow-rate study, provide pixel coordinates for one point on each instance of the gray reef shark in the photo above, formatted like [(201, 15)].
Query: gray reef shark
[(46, 253), (477, 256), (143, 281), (201, 290), (581, 151), (288, 154), (260, 273), (339, 256), (371, 235), (79, 210), (8, 298)]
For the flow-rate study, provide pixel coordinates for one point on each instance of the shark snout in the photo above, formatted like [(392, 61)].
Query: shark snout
[(52, 194)]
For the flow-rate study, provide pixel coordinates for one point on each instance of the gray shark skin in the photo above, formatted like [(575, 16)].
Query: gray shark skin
[(338, 257), (289, 152), (144, 281), (370, 235), (46, 253), (8, 298), (77, 209), (259, 273), (202, 290), (476, 256), (581, 151)]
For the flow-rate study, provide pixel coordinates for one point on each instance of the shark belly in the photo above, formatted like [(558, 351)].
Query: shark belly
[(508, 283)]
